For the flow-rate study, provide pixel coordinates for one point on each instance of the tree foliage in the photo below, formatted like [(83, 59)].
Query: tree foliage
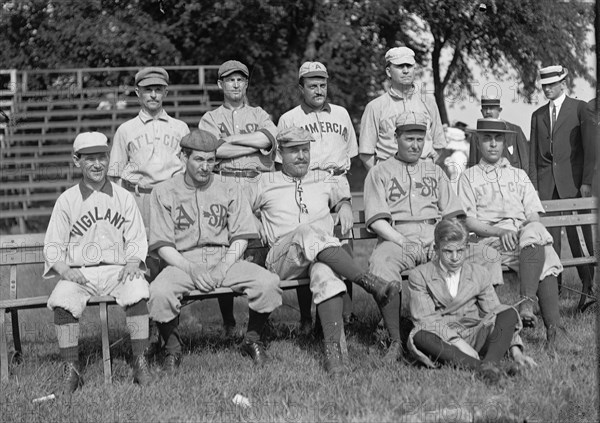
[(273, 37)]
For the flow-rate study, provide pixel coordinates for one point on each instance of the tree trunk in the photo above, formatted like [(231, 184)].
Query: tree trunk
[(438, 86)]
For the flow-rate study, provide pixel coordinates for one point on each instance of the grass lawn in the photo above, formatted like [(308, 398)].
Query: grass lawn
[(294, 387)]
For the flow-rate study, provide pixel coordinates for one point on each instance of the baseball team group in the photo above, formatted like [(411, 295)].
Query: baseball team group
[(176, 207)]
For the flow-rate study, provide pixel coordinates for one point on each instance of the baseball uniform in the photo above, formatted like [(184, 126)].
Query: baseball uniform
[(145, 151), (332, 130), (201, 223), (412, 197), (378, 123), (97, 232), (296, 216), (502, 196)]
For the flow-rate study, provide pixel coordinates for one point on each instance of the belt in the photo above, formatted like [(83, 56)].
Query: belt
[(239, 173), (134, 187), (427, 221), (336, 172)]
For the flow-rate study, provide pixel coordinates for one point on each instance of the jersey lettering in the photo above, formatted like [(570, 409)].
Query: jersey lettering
[(396, 191), (89, 219), (217, 218), (183, 220)]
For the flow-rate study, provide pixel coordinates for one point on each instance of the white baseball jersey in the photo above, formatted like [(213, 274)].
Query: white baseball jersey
[(145, 150), (88, 228), (186, 217), (223, 122), (281, 200), (378, 123), (333, 132)]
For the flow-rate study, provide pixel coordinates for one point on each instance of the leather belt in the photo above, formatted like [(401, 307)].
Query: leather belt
[(239, 173), (428, 221), (134, 187)]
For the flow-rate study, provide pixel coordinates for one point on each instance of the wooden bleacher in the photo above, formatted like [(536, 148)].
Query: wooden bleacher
[(35, 161)]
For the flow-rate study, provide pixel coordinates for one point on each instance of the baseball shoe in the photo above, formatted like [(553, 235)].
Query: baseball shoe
[(172, 362), (489, 373), (229, 331), (526, 312), (141, 370), (382, 291), (349, 319), (254, 350), (394, 352), (334, 364), (557, 341), (72, 379), (305, 329)]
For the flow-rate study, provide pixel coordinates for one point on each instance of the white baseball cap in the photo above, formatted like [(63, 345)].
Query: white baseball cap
[(90, 142), (309, 69), (400, 56)]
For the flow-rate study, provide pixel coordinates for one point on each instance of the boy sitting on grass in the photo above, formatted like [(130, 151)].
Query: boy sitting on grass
[(457, 315)]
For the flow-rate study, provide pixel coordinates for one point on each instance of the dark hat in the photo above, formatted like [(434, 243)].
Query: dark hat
[(151, 76), (201, 140), (232, 66), (411, 121), (490, 102), (292, 136), (492, 125), (552, 74), (90, 143)]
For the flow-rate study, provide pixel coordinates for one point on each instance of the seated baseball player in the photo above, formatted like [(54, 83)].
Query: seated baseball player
[(503, 210), (405, 197), (200, 228), (96, 244), (295, 205), (457, 315)]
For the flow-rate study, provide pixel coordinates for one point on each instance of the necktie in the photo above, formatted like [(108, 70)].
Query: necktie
[(553, 116)]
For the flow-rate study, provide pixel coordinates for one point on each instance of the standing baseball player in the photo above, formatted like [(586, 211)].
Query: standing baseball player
[(96, 244), (405, 197), (295, 205), (249, 143), (145, 149), (503, 210), (335, 145), (200, 228), (378, 124)]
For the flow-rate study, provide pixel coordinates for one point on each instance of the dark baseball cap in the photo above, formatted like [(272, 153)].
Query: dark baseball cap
[(232, 66), (201, 140), (490, 102), (151, 76), (492, 125)]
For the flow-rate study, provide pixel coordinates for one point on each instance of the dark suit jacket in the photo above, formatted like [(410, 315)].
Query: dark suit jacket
[(516, 142), (564, 159)]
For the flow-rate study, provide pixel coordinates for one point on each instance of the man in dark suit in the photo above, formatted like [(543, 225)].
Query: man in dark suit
[(562, 156), (516, 148)]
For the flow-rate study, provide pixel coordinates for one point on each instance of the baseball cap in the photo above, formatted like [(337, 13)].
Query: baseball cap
[(490, 102), (552, 74), (411, 121), (309, 69), (400, 56), (290, 137), (90, 142), (151, 76), (232, 66), (492, 125), (201, 140)]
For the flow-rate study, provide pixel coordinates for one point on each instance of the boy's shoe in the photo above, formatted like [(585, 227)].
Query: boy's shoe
[(72, 379)]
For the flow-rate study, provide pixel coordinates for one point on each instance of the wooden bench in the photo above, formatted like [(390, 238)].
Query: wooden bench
[(26, 250)]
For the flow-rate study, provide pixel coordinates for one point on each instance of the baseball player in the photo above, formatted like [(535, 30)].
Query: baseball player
[(405, 197), (335, 145), (200, 228), (378, 124), (294, 206), (249, 143), (503, 209), (457, 314), (96, 244), (145, 149), (516, 148)]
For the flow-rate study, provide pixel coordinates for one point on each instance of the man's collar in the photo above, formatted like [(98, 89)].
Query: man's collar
[(145, 116), (87, 191), (401, 94), (307, 109), (488, 167), (559, 101), (229, 107)]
